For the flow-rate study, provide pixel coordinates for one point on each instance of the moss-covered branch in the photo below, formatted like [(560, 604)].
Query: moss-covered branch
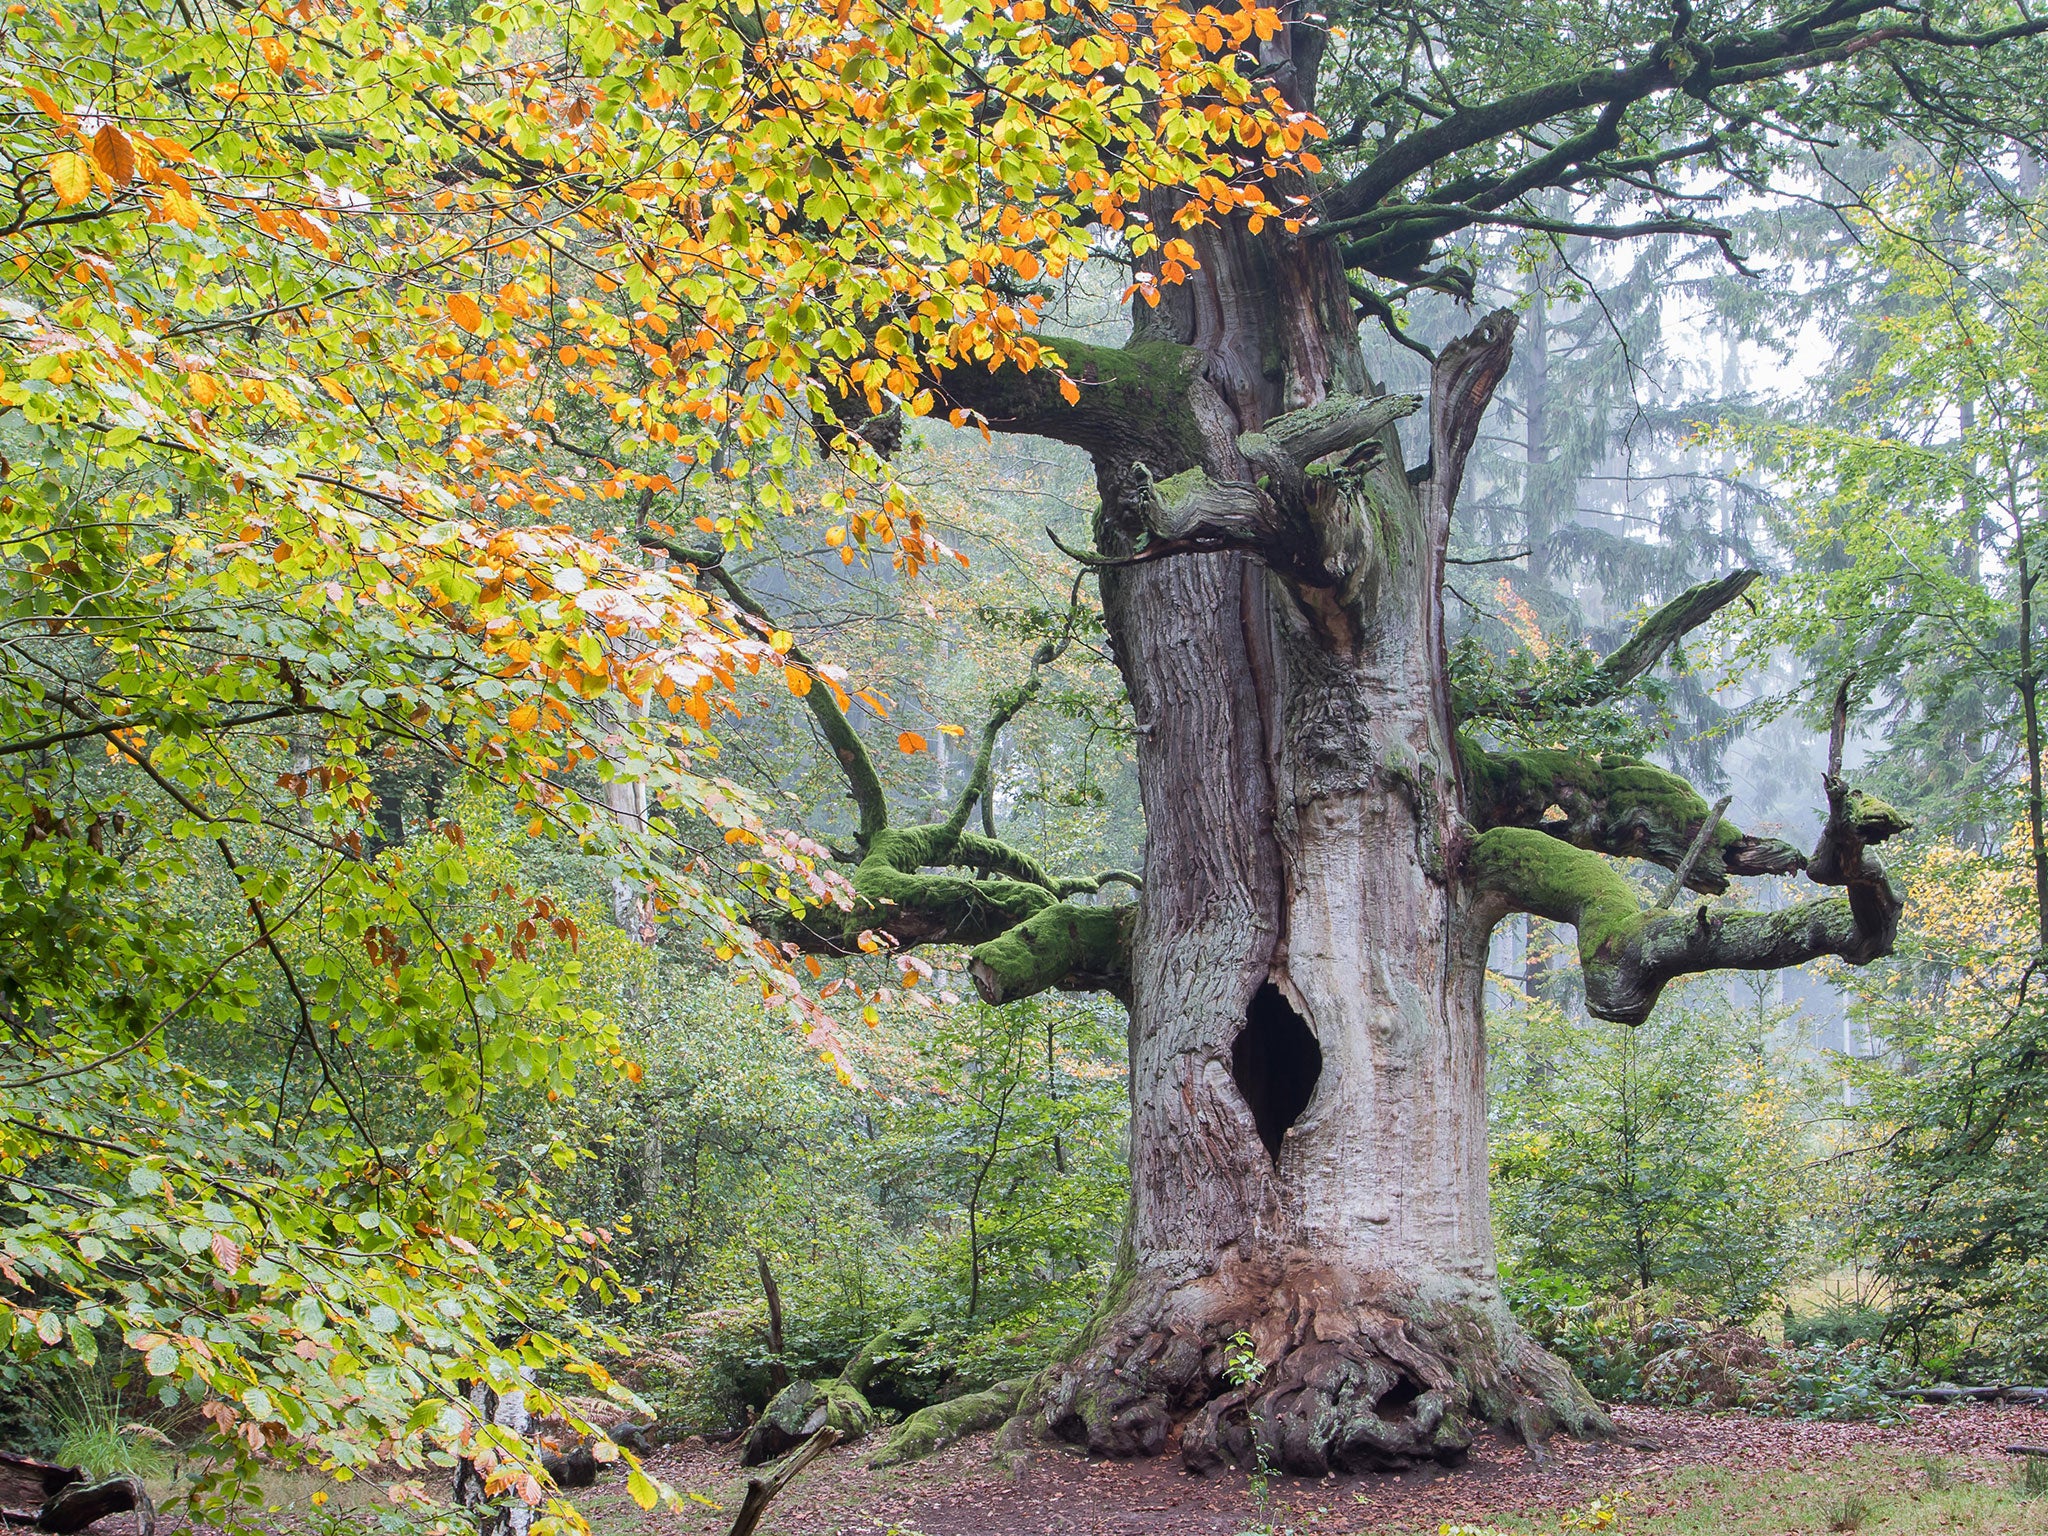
[(1664, 629), (1614, 805), (1063, 945), (1025, 934), (1627, 955)]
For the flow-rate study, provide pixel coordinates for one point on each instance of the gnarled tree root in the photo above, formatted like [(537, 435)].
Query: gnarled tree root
[(1315, 1377)]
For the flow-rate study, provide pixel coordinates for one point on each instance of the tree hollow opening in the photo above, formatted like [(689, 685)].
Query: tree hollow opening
[(1275, 1062)]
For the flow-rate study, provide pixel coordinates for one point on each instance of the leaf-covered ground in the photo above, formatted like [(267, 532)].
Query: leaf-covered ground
[(1707, 1473)]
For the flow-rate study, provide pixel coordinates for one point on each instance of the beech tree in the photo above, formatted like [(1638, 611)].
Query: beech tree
[(1335, 824)]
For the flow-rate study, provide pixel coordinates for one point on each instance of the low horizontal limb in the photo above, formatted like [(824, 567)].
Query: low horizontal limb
[(1615, 805), (1627, 955), (1065, 945)]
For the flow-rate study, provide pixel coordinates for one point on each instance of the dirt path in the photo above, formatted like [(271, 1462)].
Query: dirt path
[(961, 1493)]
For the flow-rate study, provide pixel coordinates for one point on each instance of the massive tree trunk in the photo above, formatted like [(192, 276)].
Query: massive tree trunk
[(1307, 1275), (1307, 1077), (1308, 1272)]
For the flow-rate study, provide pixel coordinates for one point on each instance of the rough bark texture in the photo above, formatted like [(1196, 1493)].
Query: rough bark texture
[(1307, 1077)]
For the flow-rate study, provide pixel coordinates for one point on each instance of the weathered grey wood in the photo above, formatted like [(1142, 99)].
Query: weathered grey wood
[(78, 1505), (762, 1491)]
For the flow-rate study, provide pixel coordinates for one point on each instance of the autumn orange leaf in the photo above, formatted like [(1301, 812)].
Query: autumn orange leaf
[(115, 155), (910, 741), (49, 108), (465, 312)]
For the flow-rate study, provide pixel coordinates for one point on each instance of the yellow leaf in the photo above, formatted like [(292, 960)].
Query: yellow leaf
[(181, 209), (952, 730), (116, 156), (798, 679), (641, 1487), (203, 389), (337, 389), (635, 1072), (465, 312), (535, 827), (524, 718), (782, 640), (910, 741), (71, 175)]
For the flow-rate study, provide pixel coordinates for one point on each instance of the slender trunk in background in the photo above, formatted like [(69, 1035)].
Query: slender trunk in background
[(2024, 570), (513, 1516), (778, 1373), (1539, 514)]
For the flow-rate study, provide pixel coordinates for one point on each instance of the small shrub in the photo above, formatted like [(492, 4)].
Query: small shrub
[(1601, 1513), (1849, 1513), (1939, 1478), (85, 1427), (1839, 1322)]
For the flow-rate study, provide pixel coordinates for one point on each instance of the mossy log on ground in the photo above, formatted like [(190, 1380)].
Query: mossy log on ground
[(799, 1411), (934, 1428)]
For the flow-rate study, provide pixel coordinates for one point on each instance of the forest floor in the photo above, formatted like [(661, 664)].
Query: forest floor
[(1708, 1474)]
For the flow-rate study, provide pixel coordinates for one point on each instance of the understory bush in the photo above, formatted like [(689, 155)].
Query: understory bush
[(967, 1204), (1641, 1349)]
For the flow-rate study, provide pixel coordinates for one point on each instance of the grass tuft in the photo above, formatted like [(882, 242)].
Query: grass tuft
[(87, 1429), (2030, 1477), (1849, 1513)]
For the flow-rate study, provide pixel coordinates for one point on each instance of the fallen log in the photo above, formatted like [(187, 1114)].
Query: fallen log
[(2026, 1450), (79, 1505), (48, 1496), (761, 1491), (1948, 1394)]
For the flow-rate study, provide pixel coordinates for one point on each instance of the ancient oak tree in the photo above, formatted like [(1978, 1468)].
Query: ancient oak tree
[(1329, 845)]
